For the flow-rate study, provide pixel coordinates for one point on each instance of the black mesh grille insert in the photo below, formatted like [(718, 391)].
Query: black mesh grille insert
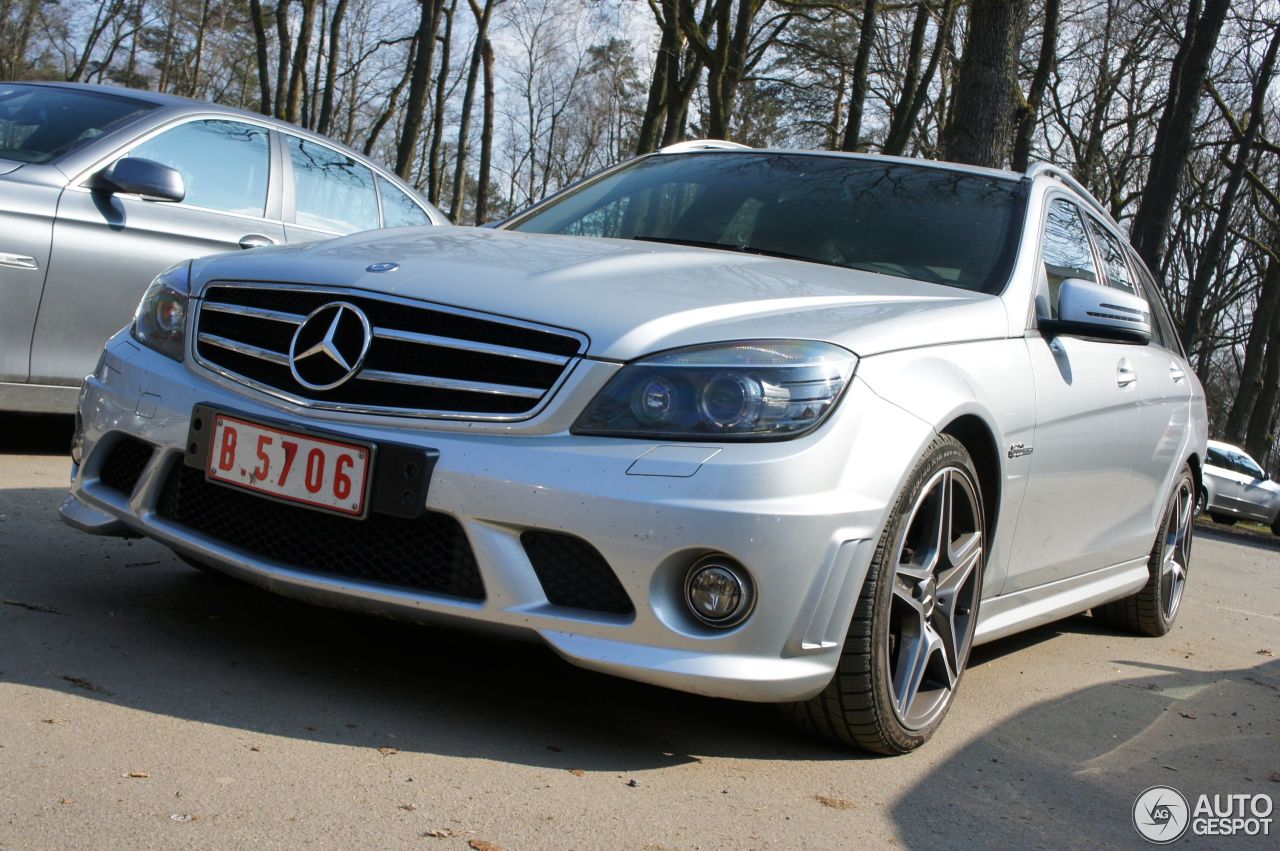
[(574, 574), (124, 464), (429, 554), (451, 363)]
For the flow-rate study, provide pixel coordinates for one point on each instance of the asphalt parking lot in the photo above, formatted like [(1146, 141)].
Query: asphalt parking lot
[(144, 704)]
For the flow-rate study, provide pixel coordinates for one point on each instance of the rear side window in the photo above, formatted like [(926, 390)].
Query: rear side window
[(1118, 274), (223, 164), (39, 124), (332, 191), (1066, 252), (1217, 459), (398, 209)]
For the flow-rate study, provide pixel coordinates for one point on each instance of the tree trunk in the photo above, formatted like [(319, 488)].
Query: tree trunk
[(486, 133), (981, 127), (482, 17), (1211, 253), (193, 88), (1262, 432), (298, 73), (1030, 110), (670, 48), (264, 70), (419, 82), (858, 89), (331, 72), (285, 47), (435, 168), (1266, 316), (1173, 132), (904, 116)]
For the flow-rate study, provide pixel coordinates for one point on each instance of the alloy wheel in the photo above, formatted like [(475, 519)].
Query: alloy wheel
[(1177, 550)]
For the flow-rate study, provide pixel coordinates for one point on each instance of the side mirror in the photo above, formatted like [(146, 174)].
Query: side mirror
[(148, 178), (1086, 309)]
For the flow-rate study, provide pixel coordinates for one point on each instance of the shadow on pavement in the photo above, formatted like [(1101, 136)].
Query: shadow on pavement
[(35, 434), (1017, 787), (134, 626)]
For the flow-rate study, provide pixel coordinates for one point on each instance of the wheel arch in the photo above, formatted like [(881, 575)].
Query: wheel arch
[(980, 442)]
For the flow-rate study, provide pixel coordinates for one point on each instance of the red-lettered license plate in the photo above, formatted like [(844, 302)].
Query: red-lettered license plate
[(294, 467)]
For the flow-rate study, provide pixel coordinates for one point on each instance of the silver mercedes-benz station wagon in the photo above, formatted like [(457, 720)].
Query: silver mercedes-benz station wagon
[(791, 427)]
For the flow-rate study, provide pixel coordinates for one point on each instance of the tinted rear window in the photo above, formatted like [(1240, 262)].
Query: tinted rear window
[(39, 124), (931, 224)]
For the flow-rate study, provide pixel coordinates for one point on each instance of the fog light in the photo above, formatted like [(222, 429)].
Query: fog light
[(718, 592)]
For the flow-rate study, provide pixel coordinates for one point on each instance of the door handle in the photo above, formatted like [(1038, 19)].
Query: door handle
[(1125, 374), (255, 240), (1176, 373)]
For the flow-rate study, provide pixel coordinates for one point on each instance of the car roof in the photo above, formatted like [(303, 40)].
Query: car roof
[(1218, 444), (1001, 174)]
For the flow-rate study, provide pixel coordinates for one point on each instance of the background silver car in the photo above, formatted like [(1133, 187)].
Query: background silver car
[(101, 188), (793, 427), (1237, 488)]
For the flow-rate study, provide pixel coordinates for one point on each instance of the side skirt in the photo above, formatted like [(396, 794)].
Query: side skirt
[(1032, 607)]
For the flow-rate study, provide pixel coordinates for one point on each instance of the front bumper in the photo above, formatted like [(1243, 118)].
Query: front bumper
[(802, 516)]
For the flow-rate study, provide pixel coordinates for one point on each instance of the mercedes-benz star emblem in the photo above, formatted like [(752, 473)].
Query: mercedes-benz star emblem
[(330, 346)]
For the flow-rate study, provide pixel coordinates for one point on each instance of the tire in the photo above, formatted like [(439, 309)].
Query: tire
[(1275, 525), (913, 616), (1224, 519), (1153, 610), (1202, 502)]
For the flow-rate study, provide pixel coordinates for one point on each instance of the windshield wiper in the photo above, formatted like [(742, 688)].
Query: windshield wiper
[(728, 246)]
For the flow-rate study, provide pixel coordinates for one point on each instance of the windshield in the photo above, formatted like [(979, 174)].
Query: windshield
[(912, 221), (38, 123)]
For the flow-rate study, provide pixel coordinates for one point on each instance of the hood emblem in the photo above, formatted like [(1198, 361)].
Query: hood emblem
[(382, 267), (330, 346)]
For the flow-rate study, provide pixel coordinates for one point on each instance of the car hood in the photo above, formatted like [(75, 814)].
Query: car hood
[(630, 298)]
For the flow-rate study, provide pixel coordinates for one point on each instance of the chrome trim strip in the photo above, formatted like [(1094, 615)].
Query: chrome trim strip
[(245, 349), (434, 383), (468, 346), (255, 312), (18, 261)]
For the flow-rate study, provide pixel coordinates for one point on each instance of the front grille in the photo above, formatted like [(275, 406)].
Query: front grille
[(429, 554), (124, 465), (574, 574), (423, 359)]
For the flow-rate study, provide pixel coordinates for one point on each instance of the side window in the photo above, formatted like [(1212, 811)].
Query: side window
[(331, 191), (1162, 330), (1118, 274), (1246, 465), (1217, 459), (398, 209), (1065, 252), (223, 163)]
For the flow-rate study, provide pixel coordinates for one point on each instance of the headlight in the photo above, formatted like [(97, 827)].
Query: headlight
[(753, 389), (160, 321)]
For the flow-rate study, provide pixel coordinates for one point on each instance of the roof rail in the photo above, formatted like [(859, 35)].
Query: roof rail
[(1062, 174), (703, 145)]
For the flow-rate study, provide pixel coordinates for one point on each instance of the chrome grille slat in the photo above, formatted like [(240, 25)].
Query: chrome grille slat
[(467, 346), (255, 312), (423, 359), (448, 384), (245, 349)]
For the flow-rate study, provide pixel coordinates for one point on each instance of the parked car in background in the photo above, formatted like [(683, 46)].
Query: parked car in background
[(1236, 488), (101, 188), (793, 427)]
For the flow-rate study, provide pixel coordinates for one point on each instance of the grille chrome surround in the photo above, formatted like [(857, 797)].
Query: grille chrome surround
[(496, 369)]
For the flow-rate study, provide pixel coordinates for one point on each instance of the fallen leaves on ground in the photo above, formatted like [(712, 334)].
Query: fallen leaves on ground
[(1266, 651), (833, 803), (483, 845), (439, 833), (387, 751), (576, 772), (408, 807), (140, 775), (1187, 714)]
